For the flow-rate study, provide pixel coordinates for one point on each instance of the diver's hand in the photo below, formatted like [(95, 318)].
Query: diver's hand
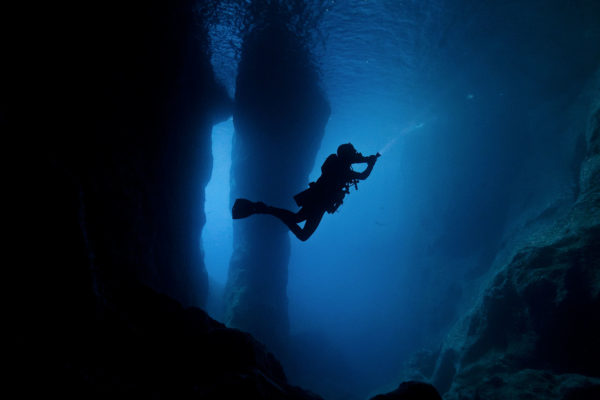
[(372, 159)]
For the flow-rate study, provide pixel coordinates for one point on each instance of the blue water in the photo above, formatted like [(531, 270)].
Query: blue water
[(218, 231), (357, 295), (468, 103)]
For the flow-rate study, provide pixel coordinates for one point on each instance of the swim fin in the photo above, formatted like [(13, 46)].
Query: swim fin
[(243, 208)]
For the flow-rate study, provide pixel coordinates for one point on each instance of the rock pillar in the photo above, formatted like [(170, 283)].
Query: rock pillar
[(279, 117)]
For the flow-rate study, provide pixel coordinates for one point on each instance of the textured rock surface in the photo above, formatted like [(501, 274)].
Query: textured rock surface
[(280, 115), (534, 332), (136, 343)]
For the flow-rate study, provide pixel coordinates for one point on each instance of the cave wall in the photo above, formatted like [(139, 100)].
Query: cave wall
[(113, 134), (121, 121), (279, 119), (533, 330)]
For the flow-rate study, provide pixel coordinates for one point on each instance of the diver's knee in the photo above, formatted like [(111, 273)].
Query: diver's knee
[(303, 236)]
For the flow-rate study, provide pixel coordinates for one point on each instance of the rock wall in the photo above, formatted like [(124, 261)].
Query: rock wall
[(279, 118), (533, 332), (117, 134), (112, 107), (128, 106), (140, 344)]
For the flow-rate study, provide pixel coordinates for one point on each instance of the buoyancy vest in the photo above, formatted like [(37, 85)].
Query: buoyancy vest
[(329, 190)]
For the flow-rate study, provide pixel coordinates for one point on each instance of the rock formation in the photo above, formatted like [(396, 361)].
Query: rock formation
[(119, 138), (124, 124), (279, 118), (534, 331), (118, 133), (136, 343)]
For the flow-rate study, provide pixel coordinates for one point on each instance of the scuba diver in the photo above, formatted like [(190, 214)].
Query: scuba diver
[(326, 194)]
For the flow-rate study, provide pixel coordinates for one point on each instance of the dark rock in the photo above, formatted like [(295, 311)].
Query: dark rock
[(422, 364), (529, 384), (122, 123), (280, 116), (139, 343), (411, 390), (445, 370), (120, 145), (590, 392), (533, 333)]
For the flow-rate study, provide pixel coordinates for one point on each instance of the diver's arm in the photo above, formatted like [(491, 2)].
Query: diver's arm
[(370, 163)]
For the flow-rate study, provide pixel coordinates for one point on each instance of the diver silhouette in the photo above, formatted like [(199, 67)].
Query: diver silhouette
[(326, 194)]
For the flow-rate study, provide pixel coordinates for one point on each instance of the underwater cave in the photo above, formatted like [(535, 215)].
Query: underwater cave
[(456, 258)]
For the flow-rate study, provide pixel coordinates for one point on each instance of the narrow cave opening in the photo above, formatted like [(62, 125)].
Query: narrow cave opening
[(217, 235)]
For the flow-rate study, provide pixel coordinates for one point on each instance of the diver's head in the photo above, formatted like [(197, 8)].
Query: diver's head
[(347, 152)]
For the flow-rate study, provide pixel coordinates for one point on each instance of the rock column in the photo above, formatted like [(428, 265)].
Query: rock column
[(279, 118)]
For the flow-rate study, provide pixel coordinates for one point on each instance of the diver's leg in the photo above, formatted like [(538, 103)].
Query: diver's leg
[(243, 208), (313, 218), (289, 218), (312, 222)]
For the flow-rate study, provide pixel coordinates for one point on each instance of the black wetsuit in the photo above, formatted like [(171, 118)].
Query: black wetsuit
[(328, 192)]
